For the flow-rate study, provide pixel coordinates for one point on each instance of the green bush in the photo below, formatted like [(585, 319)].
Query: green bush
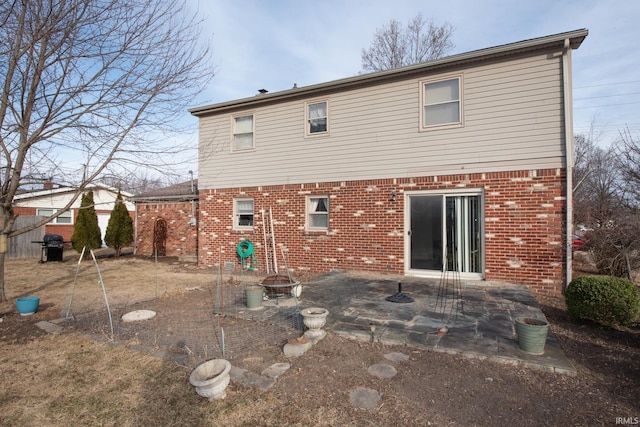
[(607, 300), (120, 227), (86, 232)]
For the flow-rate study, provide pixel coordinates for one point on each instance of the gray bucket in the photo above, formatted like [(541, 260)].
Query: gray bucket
[(532, 334), (254, 297)]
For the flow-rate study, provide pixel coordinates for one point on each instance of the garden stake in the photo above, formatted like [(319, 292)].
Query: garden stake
[(104, 291), (75, 280)]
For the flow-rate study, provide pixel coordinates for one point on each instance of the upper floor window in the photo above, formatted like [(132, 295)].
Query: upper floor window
[(243, 133), (64, 218), (441, 103), (317, 118), (243, 214), (317, 213)]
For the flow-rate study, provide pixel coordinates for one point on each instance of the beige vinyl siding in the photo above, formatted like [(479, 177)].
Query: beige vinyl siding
[(512, 119)]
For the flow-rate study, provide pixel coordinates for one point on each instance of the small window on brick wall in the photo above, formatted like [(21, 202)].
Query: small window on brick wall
[(64, 218), (317, 213), (243, 214)]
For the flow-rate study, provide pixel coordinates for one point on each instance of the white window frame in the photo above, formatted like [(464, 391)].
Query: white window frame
[(66, 214), (237, 214), (310, 212), (425, 103), (234, 132), (307, 118)]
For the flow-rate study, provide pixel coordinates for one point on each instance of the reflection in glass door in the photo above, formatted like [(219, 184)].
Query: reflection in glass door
[(445, 229), (426, 232)]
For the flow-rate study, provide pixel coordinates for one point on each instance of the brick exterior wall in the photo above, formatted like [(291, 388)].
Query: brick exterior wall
[(182, 238), (524, 217)]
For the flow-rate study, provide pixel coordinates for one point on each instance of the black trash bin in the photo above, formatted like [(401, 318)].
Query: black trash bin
[(54, 244)]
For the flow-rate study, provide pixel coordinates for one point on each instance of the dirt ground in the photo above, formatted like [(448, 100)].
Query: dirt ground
[(69, 379)]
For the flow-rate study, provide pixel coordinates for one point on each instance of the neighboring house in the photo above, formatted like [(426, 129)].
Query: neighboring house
[(166, 221), (51, 199), (456, 164)]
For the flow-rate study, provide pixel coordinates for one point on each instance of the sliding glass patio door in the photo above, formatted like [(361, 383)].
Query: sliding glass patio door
[(444, 232)]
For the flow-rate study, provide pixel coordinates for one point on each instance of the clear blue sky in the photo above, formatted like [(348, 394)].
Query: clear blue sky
[(274, 44)]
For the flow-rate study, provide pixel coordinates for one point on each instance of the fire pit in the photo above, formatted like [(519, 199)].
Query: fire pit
[(281, 285)]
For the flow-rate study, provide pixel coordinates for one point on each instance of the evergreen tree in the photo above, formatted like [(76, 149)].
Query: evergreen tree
[(120, 228), (86, 232)]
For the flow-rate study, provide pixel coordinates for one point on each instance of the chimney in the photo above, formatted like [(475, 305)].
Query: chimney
[(48, 185)]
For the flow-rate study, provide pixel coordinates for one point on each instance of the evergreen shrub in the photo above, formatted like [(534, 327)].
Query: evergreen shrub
[(607, 300)]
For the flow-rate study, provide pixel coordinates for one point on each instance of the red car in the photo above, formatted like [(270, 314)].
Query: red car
[(578, 242)]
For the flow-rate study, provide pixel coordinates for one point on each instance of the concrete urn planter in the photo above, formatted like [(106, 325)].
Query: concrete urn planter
[(314, 319), (211, 378)]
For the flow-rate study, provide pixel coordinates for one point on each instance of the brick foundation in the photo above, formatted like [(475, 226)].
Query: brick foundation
[(524, 214)]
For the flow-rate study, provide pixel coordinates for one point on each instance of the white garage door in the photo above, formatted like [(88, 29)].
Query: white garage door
[(103, 221)]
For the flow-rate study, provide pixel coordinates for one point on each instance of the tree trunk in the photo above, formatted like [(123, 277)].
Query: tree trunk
[(2, 295)]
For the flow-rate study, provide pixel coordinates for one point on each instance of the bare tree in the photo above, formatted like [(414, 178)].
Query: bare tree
[(136, 183), (394, 46), (629, 156), (584, 163), (602, 186), (605, 197), (91, 81)]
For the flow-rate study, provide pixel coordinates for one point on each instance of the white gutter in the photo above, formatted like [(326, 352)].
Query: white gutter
[(568, 135)]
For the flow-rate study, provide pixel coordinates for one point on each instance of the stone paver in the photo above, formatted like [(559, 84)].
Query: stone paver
[(251, 379), (275, 370), (396, 357), (365, 398), (296, 349), (382, 370), (49, 327)]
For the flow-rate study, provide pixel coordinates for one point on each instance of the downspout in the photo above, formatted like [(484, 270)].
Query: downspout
[(568, 135), (135, 230), (192, 221)]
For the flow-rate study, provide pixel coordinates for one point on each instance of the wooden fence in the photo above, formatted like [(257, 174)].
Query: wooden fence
[(21, 246)]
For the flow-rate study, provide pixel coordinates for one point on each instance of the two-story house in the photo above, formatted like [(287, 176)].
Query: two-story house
[(460, 164)]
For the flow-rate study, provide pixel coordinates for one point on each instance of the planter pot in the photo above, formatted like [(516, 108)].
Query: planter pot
[(27, 305), (254, 295), (314, 318), (532, 334), (211, 378)]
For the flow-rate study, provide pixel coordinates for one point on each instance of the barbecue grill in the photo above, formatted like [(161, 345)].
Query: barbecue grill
[(52, 248)]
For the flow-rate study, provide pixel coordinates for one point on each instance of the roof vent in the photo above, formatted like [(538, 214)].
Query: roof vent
[(262, 91)]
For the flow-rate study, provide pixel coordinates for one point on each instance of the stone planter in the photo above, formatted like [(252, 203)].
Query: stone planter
[(532, 334), (211, 378), (314, 319)]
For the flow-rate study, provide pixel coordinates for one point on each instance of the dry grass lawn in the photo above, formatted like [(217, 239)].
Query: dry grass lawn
[(70, 379)]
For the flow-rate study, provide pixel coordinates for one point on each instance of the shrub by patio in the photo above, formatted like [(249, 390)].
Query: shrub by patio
[(607, 300)]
